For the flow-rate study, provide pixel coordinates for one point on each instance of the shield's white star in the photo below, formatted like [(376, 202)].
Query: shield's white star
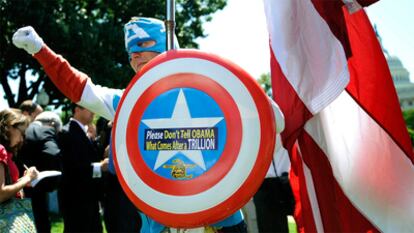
[(181, 119)]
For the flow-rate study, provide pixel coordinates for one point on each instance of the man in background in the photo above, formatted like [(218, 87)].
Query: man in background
[(274, 200), (40, 149), (30, 108), (82, 168)]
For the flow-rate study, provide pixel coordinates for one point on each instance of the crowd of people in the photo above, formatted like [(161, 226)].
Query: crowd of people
[(32, 141), (81, 150)]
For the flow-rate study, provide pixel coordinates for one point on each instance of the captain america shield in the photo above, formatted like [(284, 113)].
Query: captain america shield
[(193, 138)]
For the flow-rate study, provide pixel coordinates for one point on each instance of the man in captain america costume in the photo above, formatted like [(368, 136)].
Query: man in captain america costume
[(145, 38)]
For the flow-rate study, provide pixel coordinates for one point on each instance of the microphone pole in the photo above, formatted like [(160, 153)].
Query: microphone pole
[(170, 24)]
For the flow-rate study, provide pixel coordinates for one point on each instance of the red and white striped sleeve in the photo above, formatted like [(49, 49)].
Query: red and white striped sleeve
[(77, 86), (67, 79)]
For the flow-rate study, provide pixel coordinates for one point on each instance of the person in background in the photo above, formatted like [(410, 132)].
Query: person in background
[(103, 131), (82, 168), (100, 150), (91, 131), (30, 108), (120, 215), (274, 200), (40, 149), (12, 127)]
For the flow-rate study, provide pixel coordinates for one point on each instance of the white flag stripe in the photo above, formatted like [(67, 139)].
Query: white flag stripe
[(356, 146), (309, 55)]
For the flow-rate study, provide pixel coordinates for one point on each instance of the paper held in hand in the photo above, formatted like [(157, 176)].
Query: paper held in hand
[(44, 174)]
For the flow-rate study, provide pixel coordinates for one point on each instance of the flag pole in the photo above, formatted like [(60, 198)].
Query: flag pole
[(170, 24)]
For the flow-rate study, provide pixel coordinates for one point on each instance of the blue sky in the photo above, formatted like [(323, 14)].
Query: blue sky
[(239, 33), (394, 20)]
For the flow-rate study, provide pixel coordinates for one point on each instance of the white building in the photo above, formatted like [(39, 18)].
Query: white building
[(401, 78)]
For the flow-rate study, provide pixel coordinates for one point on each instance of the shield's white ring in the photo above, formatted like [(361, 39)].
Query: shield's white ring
[(248, 150)]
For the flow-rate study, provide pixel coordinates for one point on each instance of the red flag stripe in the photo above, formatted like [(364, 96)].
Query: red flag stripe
[(313, 197), (371, 83), (289, 102), (331, 12), (303, 208)]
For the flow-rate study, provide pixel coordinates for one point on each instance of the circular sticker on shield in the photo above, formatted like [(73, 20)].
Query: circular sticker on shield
[(193, 138)]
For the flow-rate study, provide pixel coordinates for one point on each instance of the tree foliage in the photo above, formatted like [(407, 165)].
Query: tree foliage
[(89, 34), (266, 84), (409, 121), (409, 118)]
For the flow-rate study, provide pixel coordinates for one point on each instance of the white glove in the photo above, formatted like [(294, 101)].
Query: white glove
[(26, 38)]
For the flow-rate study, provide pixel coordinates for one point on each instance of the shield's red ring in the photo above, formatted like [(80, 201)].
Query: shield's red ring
[(231, 148), (252, 183)]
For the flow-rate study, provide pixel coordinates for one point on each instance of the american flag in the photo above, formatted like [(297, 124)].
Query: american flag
[(352, 160)]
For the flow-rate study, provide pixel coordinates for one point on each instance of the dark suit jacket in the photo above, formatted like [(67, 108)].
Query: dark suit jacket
[(79, 192), (40, 149)]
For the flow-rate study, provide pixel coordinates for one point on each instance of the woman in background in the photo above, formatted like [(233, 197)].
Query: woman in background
[(12, 127)]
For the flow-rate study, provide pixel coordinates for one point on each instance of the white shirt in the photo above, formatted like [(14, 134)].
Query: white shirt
[(96, 172), (280, 163)]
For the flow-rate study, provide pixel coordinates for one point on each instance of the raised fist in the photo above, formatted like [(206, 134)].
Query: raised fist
[(26, 38)]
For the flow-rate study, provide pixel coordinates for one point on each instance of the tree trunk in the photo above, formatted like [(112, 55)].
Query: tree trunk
[(7, 91), (22, 94)]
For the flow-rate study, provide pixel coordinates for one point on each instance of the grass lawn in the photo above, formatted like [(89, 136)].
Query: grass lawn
[(292, 225), (57, 224)]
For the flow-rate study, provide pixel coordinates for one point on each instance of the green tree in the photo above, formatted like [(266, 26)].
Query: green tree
[(409, 121), (266, 83), (409, 118), (89, 34)]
